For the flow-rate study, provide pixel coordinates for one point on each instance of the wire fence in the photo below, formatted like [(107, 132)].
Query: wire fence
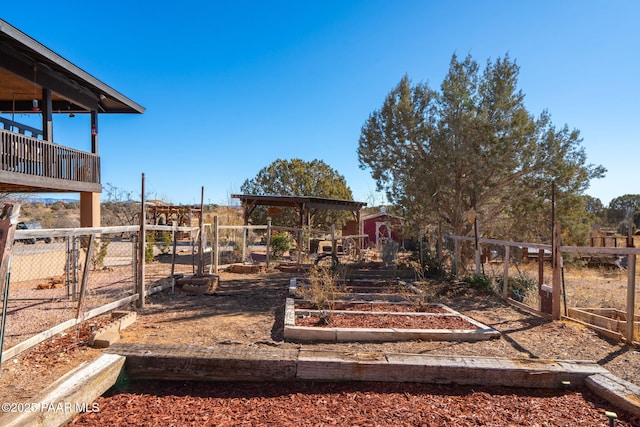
[(596, 284), (63, 276)]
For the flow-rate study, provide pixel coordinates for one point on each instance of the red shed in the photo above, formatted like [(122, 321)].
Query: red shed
[(379, 227)]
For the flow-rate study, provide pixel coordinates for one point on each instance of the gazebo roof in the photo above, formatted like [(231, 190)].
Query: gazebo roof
[(26, 66), (302, 203), (297, 201)]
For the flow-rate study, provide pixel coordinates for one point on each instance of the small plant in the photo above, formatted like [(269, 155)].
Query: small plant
[(322, 291), (426, 266), (479, 282), (280, 243), (99, 253), (148, 250), (519, 288), (420, 297), (165, 242)]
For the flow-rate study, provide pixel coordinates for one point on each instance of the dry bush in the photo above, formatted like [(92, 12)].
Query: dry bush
[(420, 294), (323, 291)]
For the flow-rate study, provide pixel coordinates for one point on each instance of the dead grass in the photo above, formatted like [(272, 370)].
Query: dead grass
[(585, 287)]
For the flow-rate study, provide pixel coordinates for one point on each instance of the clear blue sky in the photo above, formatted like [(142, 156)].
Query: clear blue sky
[(230, 86)]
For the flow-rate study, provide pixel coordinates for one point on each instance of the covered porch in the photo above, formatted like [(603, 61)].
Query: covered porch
[(34, 80)]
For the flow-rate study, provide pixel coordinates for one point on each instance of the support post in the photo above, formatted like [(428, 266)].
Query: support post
[(85, 274), (89, 209), (173, 256), (268, 240), (141, 249), (47, 116), (631, 287), (8, 221), (216, 243), (94, 131), (334, 244), (540, 276), (505, 273), (456, 257), (556, 282), (202, 237), (245, 231), (631, 296)]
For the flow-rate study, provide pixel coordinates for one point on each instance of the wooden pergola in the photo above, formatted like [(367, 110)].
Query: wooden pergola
[(304, 205)]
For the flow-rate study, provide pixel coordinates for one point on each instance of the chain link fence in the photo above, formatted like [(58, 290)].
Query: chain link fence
[(57, 275)]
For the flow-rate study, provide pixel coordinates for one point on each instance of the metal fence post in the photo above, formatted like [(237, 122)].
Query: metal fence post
[(556, 281)]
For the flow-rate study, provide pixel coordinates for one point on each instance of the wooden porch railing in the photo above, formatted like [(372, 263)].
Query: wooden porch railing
[(24, 154)]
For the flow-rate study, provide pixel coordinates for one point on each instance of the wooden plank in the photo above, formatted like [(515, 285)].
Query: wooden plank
[(616, 336), (42, 336), (72, 393), (595, 319), (324, 365), (619, 392), (184, 362)]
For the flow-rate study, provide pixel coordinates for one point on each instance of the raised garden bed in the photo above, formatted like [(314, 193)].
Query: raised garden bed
[(345, 325), (608, 321)]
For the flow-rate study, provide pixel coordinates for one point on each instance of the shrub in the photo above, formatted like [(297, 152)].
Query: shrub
[(280, 243), (520, 287), (420, 297), (148, 250), (479, 282), (322, 291), (99, 253), (426, 266)]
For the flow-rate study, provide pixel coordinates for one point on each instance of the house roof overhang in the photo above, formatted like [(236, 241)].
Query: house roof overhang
[(27, 66)]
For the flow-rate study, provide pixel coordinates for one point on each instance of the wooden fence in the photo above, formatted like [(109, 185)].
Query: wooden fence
[(556, 251)]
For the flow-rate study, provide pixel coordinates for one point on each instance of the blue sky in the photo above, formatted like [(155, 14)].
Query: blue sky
[(231, 86)]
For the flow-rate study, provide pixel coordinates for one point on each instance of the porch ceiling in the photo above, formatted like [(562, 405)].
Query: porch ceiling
[(26, 66), (15, 183)]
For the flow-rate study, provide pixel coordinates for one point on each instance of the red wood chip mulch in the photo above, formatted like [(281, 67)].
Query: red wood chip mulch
[(339, 320), (346, 404)]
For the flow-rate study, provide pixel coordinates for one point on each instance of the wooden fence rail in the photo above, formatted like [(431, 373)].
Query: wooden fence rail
[(557, 252)]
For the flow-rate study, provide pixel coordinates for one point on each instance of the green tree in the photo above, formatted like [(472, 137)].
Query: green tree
[(299, 178), (472, 150), (622, 209)]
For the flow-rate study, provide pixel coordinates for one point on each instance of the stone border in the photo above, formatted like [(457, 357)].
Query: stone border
[(328, 334)]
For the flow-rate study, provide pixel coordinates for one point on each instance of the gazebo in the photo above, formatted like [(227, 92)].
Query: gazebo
[(304, 205)]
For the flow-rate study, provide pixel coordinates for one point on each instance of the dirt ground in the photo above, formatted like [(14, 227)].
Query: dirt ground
[(247, 310)]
